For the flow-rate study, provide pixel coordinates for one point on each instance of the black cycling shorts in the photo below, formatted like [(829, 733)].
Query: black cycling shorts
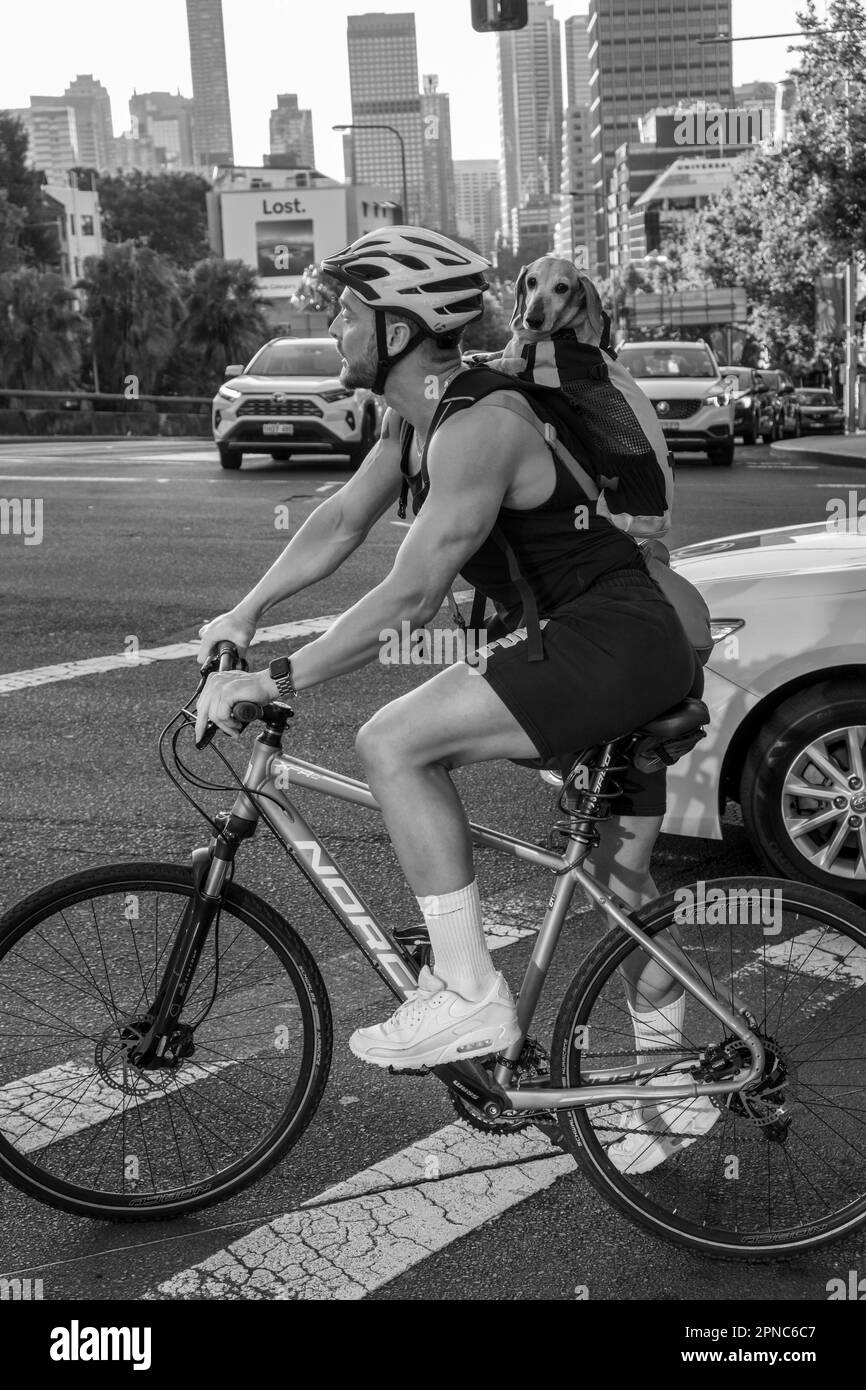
[(617, 657)]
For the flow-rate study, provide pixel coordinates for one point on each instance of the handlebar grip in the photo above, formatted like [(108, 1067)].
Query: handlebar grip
[(228, 655)]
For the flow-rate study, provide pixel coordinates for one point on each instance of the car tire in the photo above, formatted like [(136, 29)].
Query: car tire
[(767, 436), (281, 455), (358, 452), (750, 434), (722, 454), (812, 714), (230, 458)]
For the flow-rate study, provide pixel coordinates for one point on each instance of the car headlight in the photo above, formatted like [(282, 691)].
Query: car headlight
[(338, 393), (716, 399), (229, 393), (720, 628), (745, 401)]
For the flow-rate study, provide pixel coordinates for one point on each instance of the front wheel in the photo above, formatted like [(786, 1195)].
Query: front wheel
[(757, 1174), (229, 458), (723, 454), (81, 1127)]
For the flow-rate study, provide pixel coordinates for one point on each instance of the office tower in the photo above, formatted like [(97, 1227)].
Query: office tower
[(383, 78), (758, 96), (476, 186), (291, 132), (644, 53), (212, 132), (166, 118), (92, 106), (134, 153), (530, 120), (51, 129), (575, 233), (438, 207)]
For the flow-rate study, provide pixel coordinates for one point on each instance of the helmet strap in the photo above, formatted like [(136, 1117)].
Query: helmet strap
[(385, 363)]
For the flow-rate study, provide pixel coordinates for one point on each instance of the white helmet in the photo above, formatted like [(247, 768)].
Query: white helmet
[(411, 271)]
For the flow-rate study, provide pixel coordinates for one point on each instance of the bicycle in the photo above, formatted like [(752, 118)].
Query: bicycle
[(163, 1011)]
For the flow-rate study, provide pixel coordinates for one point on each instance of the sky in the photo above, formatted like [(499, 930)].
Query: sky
[(297, 46)]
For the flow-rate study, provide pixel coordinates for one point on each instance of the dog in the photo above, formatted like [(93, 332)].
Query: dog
[(551, 296)]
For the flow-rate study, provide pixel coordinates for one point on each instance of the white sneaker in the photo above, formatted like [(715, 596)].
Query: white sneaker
[(664, 1128), (435, 1025)]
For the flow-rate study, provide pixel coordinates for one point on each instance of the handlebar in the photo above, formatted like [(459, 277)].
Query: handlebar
[(226, 658)]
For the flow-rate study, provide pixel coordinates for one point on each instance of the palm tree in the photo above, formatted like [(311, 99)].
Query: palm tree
[(223, 321), (40, 346), (133, 303)]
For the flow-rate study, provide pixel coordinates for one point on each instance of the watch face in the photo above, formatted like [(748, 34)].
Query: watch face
[(279, 668)]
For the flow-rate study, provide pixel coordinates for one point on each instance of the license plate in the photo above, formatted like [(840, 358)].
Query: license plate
[(278, 429), (670, 426)]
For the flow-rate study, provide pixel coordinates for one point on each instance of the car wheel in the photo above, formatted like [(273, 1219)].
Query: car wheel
[(723, 454), (750, 434), (281, 455), (230, 458), (803, 788), (767, 436), (358, 452)]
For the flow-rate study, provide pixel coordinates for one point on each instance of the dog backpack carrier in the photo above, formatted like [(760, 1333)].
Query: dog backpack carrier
[(596, 420)]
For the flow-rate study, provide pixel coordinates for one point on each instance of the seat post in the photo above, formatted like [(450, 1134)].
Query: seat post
[(592, 804)]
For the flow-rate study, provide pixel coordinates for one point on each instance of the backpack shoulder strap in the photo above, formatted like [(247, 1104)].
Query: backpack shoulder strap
[(520, 405)]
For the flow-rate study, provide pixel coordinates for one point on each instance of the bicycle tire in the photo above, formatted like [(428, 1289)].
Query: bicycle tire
[(582, 1141), (271, 928)]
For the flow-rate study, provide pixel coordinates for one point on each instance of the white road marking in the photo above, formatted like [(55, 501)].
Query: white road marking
[(326, 487), (792, 467), (406, 524), (368, 1232), (67, 478), (117, 661)]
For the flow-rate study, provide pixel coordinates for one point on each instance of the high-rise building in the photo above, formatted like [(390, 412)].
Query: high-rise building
[(758, 96), (383, 78), (51, 130), (91, 103), (574, 237), (167, 119), (291, 131), (135, 153), (530, 120), (438, 208), (476, 185), (644, 53), (212, 131)]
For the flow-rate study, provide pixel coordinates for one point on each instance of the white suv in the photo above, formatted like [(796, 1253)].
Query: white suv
[(693, 400), (289, 399)]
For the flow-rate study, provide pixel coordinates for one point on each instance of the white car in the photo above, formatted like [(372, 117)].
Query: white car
[(290, 399), (786, 689), (693, 399)]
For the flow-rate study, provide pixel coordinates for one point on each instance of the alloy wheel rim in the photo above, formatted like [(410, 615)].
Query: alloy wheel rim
[(823, 802)]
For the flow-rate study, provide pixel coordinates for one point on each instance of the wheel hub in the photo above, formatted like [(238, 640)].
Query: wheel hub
[(824, 802), (114, 1064), (767, 1103)]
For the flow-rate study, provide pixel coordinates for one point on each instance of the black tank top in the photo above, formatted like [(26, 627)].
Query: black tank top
[(561, 547)]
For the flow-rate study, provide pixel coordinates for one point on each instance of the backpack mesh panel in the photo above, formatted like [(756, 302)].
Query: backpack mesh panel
[(611, 424)]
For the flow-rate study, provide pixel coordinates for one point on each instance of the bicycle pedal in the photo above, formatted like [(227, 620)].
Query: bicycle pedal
[(409, 1071)]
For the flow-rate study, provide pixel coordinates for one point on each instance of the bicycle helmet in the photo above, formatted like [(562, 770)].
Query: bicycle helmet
[(423, 275)]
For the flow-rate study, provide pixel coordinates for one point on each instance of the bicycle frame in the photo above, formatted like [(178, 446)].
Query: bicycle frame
[(268, 776)]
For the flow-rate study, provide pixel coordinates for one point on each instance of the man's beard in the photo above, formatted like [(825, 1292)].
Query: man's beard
[(362, 371)]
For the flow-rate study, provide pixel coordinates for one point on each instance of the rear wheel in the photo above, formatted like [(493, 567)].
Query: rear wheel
[(281, 455), (230, 458), (781, 1167), (84, 1129), (749, 434)]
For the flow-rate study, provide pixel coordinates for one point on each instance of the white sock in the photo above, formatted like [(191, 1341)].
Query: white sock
[(658, 1028), (460, 955)]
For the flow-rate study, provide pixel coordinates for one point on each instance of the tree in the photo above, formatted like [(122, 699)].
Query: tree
[(166, 212), (37, 242), (489, 332), (40, 347), (222, 321), (317, 292), (12, 221), (134, 306)]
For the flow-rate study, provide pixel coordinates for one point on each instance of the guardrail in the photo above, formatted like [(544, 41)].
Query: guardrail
[(26, 413), (14, 392)]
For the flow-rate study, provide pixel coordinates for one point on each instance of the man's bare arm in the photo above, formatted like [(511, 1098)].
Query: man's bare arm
[(326, 539), (471, 467)]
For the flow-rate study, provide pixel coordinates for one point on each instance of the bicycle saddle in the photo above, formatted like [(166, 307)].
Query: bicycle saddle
[(678, 721)]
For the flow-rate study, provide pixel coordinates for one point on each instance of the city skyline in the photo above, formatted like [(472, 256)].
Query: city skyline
[(316, 67)]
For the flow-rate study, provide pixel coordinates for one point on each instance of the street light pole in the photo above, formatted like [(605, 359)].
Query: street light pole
[(381, 126)]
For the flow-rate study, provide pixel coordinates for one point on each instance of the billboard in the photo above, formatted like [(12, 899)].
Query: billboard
[(713, 127), (279, 232), (687, 308)]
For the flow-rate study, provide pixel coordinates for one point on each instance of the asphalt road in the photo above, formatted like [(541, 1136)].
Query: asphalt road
[(141, 541)]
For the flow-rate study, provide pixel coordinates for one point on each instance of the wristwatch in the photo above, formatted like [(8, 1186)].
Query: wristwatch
[(280, 671)]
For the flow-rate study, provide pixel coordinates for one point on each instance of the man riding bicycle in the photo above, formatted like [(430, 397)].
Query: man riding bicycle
[(613, 652)]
